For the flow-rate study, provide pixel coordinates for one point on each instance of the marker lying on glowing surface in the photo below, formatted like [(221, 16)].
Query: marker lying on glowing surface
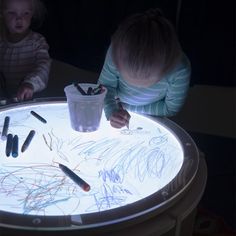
[(5, 127), (85, 186), (38, 117), (28, 140), (15, 146), (9, 144)]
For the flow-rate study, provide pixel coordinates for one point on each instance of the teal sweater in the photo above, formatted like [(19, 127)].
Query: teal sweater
[(164, 98)]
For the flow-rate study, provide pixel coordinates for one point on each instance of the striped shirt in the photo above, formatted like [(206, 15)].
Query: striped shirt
[(25, 61), (164, 98)]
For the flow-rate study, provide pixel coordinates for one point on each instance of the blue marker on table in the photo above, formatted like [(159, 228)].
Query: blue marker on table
[(15, 146), (85, 186), (9, 144), (28, 140), (5, 127)]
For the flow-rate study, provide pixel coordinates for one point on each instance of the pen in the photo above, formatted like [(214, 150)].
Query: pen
[(90, 91), (97, 90), (15, 146), (85, 186), (80, 89), (5, 127), (38, 117), (121, 107), (28, 140), (9, 144)]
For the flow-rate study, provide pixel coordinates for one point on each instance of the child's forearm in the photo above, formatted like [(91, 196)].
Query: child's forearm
[(39, 77), (159, 108), (110, 104)]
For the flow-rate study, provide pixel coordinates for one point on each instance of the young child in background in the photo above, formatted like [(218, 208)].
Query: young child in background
[(145, 68), (24, 57)]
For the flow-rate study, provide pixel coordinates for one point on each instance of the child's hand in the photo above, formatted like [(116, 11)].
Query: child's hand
[(120, 119), (25, 92)]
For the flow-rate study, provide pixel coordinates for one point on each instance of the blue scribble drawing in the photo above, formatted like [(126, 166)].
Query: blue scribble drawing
[(109, 175), (109, 197), (121, 166)]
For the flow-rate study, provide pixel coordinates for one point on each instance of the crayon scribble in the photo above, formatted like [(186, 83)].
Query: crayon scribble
[(121, 166)]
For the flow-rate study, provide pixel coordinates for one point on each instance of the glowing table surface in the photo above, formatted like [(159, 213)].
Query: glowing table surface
[(132, 172)]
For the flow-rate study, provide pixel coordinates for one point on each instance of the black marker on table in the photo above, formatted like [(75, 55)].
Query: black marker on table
[(5, 127), (85, 186), (38, 117), (9, 144), (28, 140)]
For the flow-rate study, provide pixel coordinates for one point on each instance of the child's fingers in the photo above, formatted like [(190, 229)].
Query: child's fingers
[(119, 119), (24, 94), (126, 117), (28, 95), (116, 125), (20, 96)]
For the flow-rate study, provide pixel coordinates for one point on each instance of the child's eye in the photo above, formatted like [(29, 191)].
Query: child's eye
[(11, 13), (27, 14)]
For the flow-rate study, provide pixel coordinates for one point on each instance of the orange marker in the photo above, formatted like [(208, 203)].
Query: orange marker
[(85, 186)]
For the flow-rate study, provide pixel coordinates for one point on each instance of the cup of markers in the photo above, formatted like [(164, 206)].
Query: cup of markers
[(85, 104)]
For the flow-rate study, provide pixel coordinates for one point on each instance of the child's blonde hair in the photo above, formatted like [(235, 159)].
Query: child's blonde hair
[(145, 43), (39, 12)]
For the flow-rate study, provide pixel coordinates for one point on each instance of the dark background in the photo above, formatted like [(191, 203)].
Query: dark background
[(79, 31)]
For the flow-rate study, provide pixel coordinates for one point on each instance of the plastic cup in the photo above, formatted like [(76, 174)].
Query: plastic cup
[(85, 110)]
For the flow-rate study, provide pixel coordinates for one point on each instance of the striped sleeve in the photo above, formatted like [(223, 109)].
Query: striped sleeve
[(39, 75), (177, 89), (109, 78)]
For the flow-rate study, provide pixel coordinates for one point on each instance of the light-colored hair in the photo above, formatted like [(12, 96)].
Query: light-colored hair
[(145, 43), (39, 12)]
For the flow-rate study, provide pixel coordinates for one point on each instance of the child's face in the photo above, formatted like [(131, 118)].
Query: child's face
[(17, 15)]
